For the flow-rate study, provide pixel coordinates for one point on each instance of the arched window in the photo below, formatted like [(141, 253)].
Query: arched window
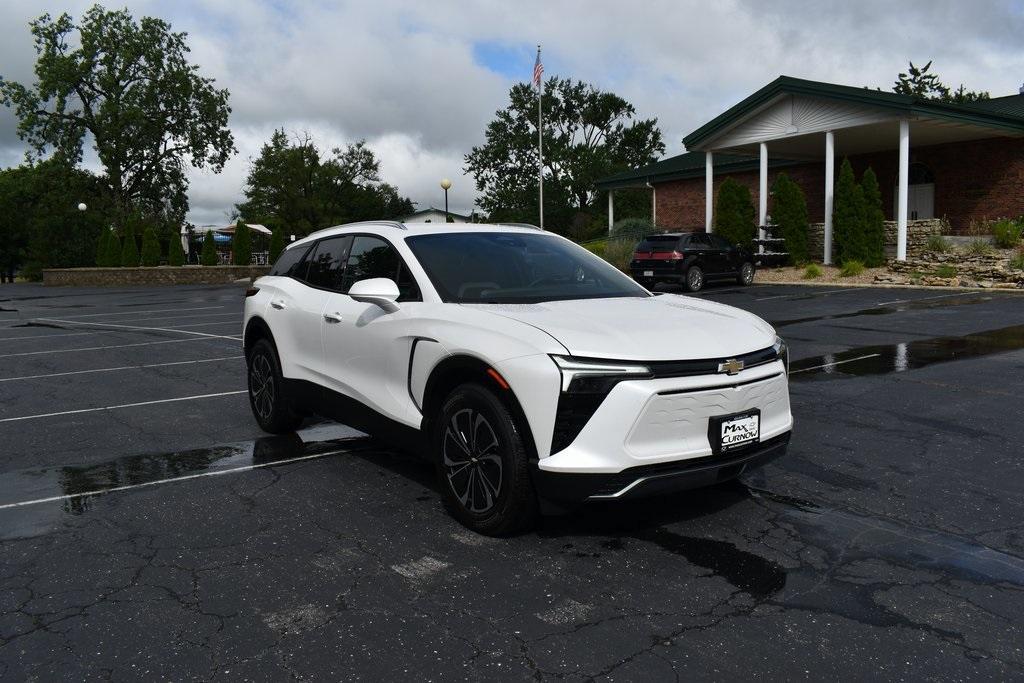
[(921, 174)]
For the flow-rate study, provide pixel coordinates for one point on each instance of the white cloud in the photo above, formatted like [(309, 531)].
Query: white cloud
[(402, 74)]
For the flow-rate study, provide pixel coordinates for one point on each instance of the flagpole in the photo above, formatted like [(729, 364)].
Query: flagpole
[(540, 142)]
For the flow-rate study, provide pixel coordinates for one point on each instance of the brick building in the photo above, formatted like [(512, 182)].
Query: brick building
[(964, 162)]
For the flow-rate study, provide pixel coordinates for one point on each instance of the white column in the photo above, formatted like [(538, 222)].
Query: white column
[(611, 210), (901, 202), (830, 188), (709, 186), (762, 196), (654, 206)]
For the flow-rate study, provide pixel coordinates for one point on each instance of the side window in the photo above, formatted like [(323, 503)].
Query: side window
[(373, 257), (327, 263), (720, 242), (291, 263), (699, 240)]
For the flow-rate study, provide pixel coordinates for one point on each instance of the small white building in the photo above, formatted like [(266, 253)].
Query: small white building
[(432, 215)]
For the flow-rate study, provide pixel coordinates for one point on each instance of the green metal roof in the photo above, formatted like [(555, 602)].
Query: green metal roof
[(683, 166), (1002, 112)]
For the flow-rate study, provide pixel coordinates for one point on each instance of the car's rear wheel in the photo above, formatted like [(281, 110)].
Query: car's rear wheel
[(483, 463), (270, 405), (694, 279), (746, 274)]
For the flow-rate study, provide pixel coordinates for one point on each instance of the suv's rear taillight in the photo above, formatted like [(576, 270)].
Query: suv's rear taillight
[(678, 255)]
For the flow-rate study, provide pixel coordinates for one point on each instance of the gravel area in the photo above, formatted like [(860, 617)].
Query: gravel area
[(829, 274)]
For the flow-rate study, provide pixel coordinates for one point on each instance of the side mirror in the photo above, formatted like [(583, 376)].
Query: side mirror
[(380, 291)]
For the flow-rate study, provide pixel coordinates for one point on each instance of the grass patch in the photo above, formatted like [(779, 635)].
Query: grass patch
[(1007, 233), (979, 247), (939, 244), (812, 271), (619, 252), (945, 271), (851, 268), (1017, 260)]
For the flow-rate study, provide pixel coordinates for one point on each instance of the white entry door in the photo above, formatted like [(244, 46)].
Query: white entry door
[(920, 201)]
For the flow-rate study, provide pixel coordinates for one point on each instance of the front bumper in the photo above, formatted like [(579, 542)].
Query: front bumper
[(658, 479)]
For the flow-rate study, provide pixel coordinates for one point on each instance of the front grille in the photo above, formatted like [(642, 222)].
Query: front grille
[(708, 366)]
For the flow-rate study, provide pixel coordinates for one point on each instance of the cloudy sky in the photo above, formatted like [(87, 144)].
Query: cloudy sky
[(420, 80)]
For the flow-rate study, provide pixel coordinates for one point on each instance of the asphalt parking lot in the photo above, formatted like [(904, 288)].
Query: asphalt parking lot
[(149, 530)]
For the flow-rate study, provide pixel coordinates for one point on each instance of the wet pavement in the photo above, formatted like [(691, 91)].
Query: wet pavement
[(148, 529)]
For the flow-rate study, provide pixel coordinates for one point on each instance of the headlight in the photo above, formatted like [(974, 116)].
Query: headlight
[(582, 375), (782, 351)]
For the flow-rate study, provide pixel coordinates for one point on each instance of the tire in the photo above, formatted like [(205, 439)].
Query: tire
[(269, 403), (694, 281), (746, 274), (483, 463)]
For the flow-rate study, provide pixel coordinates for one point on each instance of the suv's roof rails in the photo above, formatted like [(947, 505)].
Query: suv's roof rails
[(393, 224), (521, 225)]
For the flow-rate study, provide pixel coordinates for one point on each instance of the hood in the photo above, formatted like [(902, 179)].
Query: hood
[(665, 327)]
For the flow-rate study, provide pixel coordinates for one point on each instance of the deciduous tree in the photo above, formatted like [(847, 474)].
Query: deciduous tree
[(127, 88), (588, 134)]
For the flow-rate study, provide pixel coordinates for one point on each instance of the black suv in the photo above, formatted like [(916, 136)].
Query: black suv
[(691, 259)]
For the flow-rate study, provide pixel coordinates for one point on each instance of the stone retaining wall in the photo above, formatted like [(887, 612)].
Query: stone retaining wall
[(159, 275), (918, 233)]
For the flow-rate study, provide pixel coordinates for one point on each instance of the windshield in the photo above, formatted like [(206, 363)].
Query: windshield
[(507, 267)]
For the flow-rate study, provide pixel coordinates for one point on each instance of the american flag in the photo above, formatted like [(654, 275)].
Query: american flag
[(538, 71)]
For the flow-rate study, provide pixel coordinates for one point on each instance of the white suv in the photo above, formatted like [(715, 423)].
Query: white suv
[(533, 374)]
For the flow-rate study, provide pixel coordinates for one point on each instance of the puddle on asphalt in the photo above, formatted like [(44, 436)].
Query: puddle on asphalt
[(81, 480), (890, 358), (954, 300)]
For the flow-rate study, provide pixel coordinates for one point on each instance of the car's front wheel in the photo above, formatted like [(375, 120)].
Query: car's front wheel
[(694, 279), (270, 406), (483, 463)]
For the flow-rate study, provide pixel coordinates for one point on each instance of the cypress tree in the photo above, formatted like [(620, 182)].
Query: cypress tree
[(276, 244), (874, 220), (846, 215), (789, 213), (113, 257), (208, 257), (150, 248), (101, 248), (175, 254), (241, 245), (734, 213), (129, 252)]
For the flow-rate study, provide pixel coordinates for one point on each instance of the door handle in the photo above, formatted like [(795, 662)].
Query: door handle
[(332, 317), (279, 305)]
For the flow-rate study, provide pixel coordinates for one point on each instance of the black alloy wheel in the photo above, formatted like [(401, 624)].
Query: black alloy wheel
[(270, 406), (483, 463)]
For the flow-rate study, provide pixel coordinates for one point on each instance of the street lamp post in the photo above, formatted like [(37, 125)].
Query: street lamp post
[(446, 185)]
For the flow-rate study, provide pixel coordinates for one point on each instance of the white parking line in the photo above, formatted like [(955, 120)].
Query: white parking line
[(139, 327), (97, 332), (923, 298), (123, 405), (155, 310), (120, 367), (828, 365), (788, 296), (103, 348), (170, 480)]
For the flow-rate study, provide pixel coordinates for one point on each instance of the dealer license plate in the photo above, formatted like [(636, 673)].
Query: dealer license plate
[(648, 273), (739, 430)]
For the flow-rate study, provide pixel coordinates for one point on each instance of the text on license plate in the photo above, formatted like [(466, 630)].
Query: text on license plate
[(648, 273), (740, 430)]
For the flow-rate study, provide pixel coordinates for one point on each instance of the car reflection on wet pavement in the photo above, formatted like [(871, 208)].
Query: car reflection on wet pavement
[(145, 539)]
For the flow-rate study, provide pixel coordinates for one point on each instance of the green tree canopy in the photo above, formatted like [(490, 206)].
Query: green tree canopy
[(127, 87), (922, 82), (292, 184), (129, 252), (276, 243), (789, 214), (208, 257), (150, 248), (241, 245), (734, 213), (847, 213), (175, 253), (874, 220), (588, 134)]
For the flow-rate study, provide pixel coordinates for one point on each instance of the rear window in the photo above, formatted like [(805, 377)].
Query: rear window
[(658, 243)]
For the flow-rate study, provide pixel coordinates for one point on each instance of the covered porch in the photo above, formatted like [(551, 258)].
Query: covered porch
[(807, 122)]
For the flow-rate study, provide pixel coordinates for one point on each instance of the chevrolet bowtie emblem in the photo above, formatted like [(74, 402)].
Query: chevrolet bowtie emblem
[(731, 366)]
